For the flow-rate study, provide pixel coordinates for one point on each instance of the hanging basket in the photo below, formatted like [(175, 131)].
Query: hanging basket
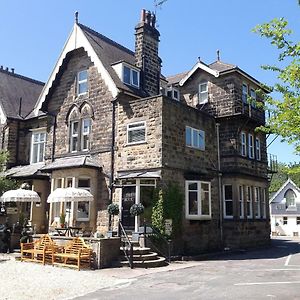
[(137, 209), (113, 209)]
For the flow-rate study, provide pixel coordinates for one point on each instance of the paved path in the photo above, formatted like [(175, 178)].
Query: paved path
[(272, 273)]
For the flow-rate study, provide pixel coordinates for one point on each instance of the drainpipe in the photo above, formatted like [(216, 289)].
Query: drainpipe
[(18, 133), (220, 182), (54, 137)]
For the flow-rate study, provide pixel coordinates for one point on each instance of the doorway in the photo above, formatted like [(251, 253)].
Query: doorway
[(128, 199)]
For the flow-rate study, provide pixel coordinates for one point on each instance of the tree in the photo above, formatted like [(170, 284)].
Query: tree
[(284, 114), (5, 183)]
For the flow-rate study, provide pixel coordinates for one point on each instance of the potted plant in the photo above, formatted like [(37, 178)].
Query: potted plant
[(136, 210), (113, 210), (62, 220)]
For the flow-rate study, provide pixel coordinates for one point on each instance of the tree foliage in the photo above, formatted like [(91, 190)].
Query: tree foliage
[(5, 183), (284, 113)]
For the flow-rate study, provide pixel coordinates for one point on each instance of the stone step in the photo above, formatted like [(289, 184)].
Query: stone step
[(143, 257), (138, 250), (155, 263)]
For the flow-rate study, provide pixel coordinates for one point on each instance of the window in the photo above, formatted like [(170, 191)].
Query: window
[(173, 93), (257, 149), (241, 201), (243, 144), (228, 201), (253, 97), (86, 130), (194, 138), (298, 221), (203, 92), (250, 146), (82, 82), (38, 142), (285, 220), (197, 200), (263, 202), (131, 76), (74, 136), (83, 207), (290, 198), (136, 133), (249, 202), (257, 202), (245, 93)]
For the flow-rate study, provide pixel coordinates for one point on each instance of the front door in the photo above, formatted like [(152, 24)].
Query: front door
[(128, 199)]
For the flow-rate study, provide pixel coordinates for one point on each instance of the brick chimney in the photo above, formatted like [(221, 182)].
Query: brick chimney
[(146, 52)]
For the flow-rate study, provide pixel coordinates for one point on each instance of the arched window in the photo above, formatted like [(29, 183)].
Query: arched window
[(80, 127), (290, 198)]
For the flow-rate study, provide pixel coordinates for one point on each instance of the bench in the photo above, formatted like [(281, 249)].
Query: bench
[(75, 254), (38, 250)]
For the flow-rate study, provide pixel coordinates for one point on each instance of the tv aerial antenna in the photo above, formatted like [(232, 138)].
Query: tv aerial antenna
[(158, 4)]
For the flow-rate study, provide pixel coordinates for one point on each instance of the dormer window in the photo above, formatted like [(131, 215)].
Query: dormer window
[(203, 92), (131, 76), (173, 93), (82, 84)]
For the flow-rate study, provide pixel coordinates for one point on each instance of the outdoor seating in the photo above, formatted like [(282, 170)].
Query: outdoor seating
[(39, 250), (75, 254)]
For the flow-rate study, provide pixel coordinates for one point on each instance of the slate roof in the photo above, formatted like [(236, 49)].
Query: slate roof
[(72, 162), (110, 52), (221, 66), (27, 171), (13, 87)]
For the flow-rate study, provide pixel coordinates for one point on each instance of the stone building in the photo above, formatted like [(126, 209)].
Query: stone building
[(109, 122)]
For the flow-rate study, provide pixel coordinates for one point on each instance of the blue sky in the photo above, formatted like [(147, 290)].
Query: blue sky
[(33, 32)]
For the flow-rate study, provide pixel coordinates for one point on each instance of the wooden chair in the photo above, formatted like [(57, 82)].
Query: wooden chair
[(38, 250), (75, 254)]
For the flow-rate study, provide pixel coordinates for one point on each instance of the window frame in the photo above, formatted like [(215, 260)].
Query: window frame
[(74, 135), (253, 97), (82, 81), (243, 144), (142, 127), (257, 148), (225, 201), (257, 202), (89, 203), (83, 134), (245, 93), (200, 93), (198, 132), (170, 92), (241, 201), (263, 203), (251, 146), (199, 215), (284, 220), (41, 145), (249, 200), (131, 71)]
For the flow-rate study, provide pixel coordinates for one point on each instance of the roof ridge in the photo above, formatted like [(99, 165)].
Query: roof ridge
[(22, 77), (222, 62), (105, 38)]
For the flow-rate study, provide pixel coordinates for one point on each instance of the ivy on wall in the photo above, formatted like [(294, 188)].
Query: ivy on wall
[(168, 203)]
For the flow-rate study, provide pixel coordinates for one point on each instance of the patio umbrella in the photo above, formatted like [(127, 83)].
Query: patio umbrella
[(69, 194), (20, 195)]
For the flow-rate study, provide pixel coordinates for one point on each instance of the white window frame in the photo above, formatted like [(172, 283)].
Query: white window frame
[(225, 201), (241, 201), (203, 95), (41, 146), (83, 133), (249, 202), (199, 215), (245, 93), (82, 81), (170, 92), (263, 203), (133, 127), (74, 135), (297, 220), (251, 146), (196, 144), (257, 149), (76, 204), (284, 220), (243, 144), (257, 213), (131, 71)]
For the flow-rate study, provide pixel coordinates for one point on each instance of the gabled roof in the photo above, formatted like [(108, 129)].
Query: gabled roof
[(14, 87), (288, 182), (221, 66), (102, 51)]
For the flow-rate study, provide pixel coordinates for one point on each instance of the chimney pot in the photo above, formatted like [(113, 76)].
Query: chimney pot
[(143, 15), (148, 17), (13, 70), (153, 20), (6, 69), (1, 67)]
